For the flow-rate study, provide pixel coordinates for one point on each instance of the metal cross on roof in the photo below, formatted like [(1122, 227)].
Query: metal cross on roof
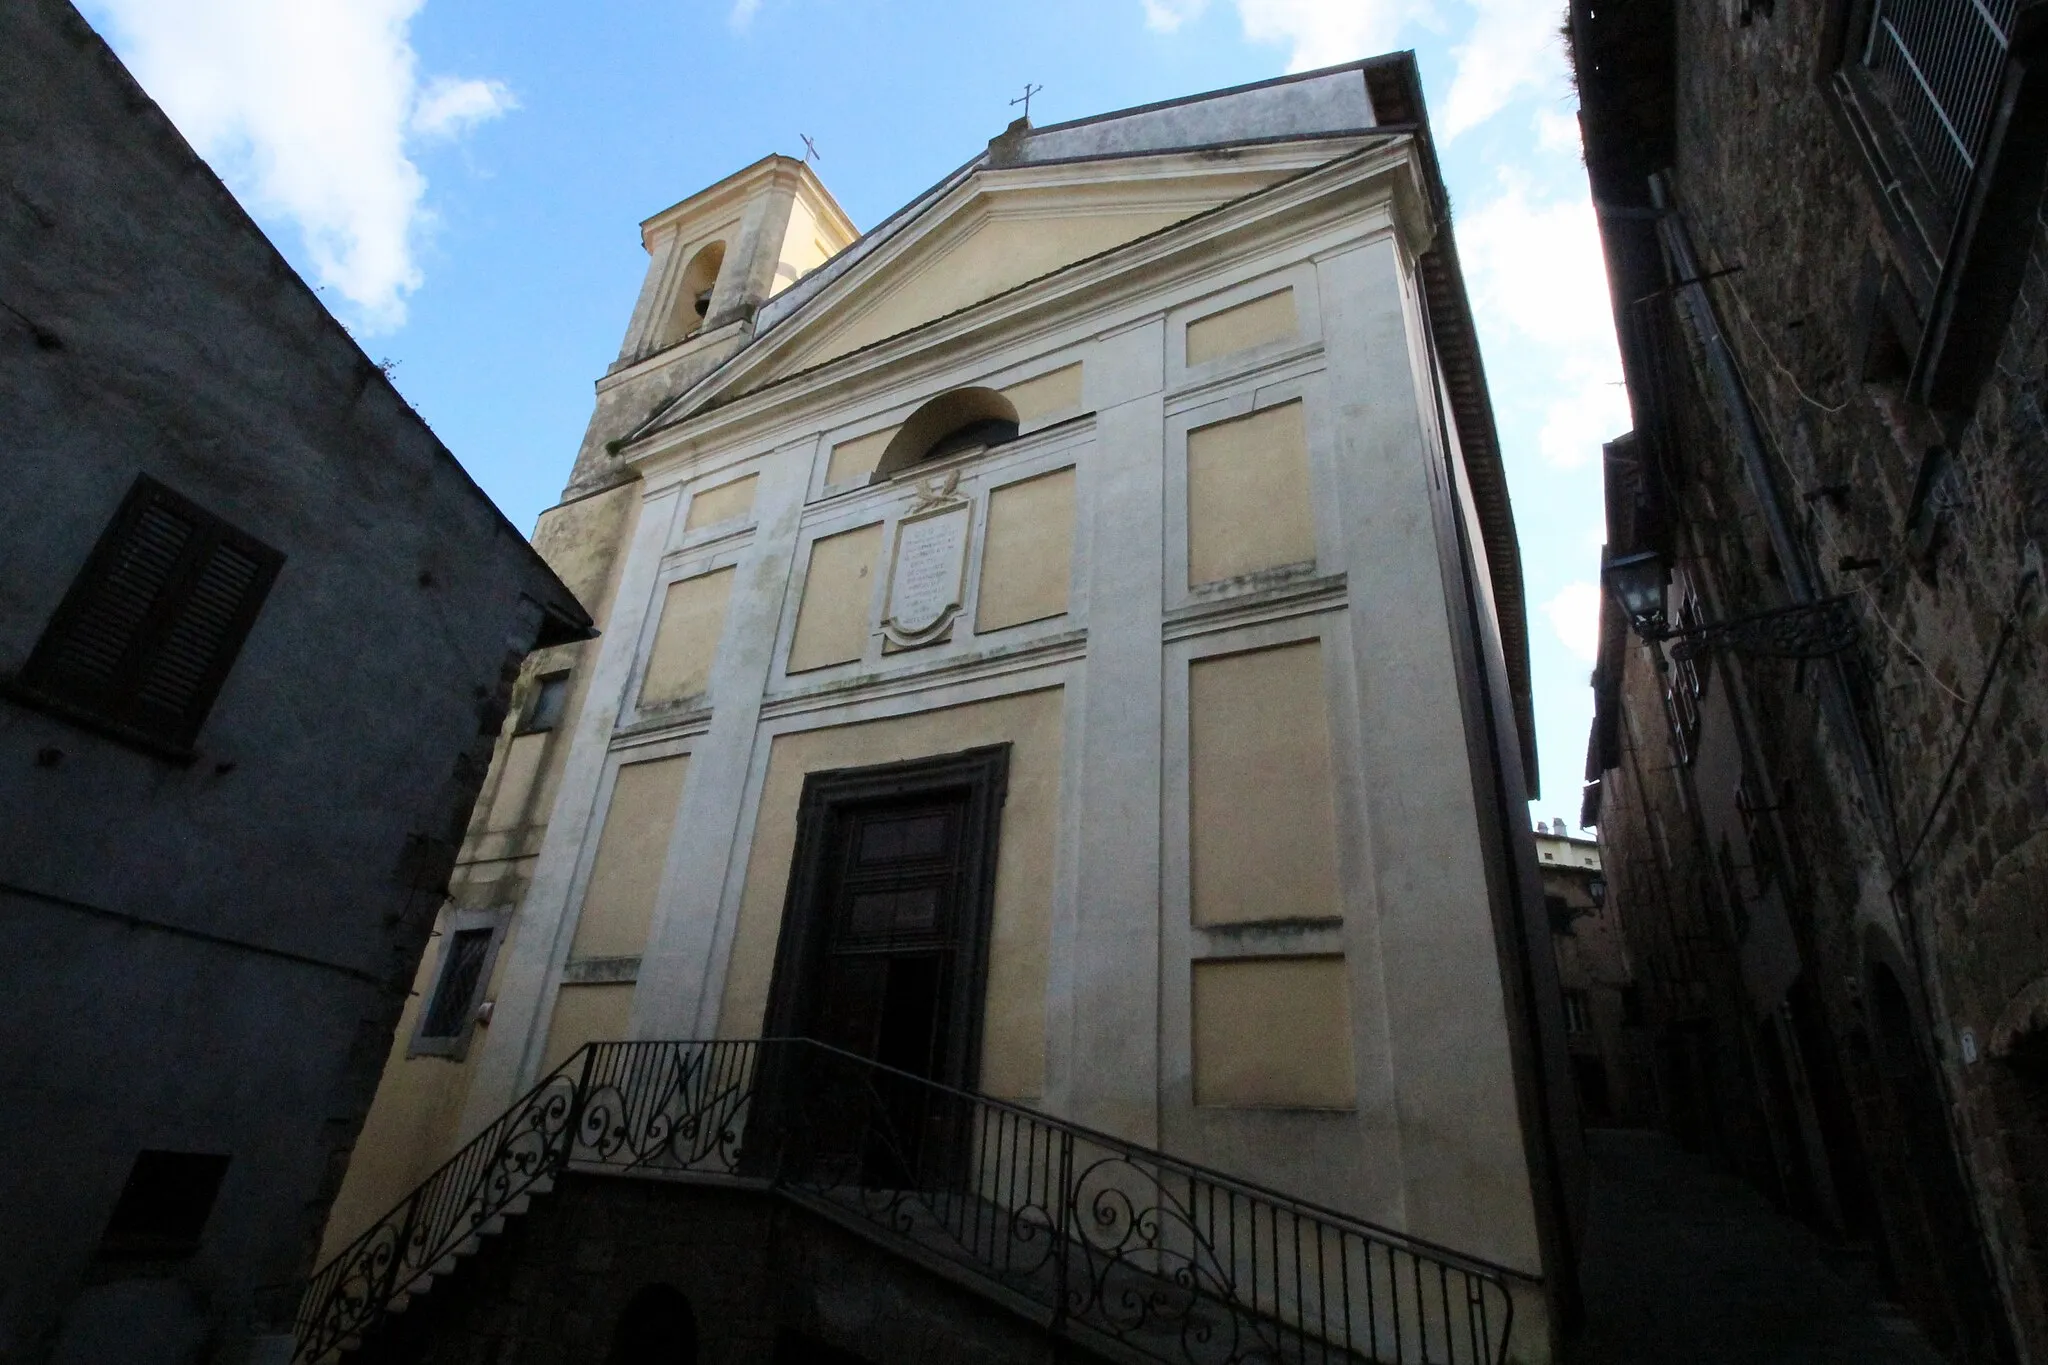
[(810, 148), (1025, 98)]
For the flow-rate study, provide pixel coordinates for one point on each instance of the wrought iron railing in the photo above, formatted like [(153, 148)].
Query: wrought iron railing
[(1098, 1239)]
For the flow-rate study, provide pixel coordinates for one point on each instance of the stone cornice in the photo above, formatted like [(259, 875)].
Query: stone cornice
[(1299, 206)]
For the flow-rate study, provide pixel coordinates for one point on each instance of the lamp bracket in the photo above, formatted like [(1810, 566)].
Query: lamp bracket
[(1804, 630)]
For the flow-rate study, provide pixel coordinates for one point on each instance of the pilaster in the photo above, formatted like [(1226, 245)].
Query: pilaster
[(1103, 1069)]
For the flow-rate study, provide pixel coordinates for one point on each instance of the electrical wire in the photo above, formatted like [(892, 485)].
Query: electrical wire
[(1955, 761)]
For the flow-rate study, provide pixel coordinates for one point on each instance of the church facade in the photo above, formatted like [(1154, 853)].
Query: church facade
[(1065, 643)]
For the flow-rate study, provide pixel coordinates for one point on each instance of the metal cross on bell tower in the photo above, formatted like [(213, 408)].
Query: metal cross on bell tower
[(1025, 99)]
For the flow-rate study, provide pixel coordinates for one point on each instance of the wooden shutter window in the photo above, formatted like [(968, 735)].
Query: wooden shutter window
[(144, 639)]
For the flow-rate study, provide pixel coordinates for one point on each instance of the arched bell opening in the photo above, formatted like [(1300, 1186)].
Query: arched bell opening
[(693, 295), (958, 420)]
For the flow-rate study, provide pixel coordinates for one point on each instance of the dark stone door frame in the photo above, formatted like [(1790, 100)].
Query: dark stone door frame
[(981, 776)]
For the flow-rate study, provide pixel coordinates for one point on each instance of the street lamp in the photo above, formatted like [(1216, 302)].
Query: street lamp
[(1804, 630), (1638, 582)]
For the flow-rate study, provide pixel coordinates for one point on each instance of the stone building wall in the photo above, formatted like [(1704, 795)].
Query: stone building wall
[(764, 1280), (1907, 826), (206, 935)]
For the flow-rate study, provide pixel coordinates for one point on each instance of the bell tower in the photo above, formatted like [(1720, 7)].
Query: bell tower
[(713, 260)]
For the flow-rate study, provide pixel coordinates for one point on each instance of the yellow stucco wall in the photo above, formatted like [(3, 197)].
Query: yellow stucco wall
[(1273, 1032), (839, 593), (1013, 1033), (1267, 318), (692, 618), (416, 1116), (1026, 558), (1248, 498), (727, 502), (625, 877), (515, 786), (994, 255), (411, 1128), (1262, 838), (802, 248), (1046, 398), (587, 1014), (852, 461)]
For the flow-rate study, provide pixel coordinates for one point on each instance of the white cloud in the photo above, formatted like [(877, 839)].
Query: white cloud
[(1164, 16), (1575, 616), (1536, 264), (449, 107), (1536, 274), (1558, 131), (1512, 48), (1325, 32), (1315, 32), (742, 14), (1592, 410), (304, 109)]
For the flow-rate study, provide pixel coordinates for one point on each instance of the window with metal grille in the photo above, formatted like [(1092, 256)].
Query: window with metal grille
[(1578, 1012), (145, 636), (462, 974), (1935, 66), (544, 708)]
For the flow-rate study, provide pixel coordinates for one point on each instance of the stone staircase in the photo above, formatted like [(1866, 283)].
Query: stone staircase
[(1134, 1255)]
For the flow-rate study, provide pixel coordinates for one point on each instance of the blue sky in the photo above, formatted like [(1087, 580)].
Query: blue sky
[(463, 180)]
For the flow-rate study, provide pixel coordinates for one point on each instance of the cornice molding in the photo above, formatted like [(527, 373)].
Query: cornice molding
[(1298, 207)]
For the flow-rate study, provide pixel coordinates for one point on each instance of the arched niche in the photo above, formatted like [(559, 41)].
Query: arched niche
[(957, 420), (693, 294)]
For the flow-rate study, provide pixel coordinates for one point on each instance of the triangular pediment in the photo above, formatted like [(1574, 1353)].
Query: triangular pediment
[(997, 237), (997, 229)]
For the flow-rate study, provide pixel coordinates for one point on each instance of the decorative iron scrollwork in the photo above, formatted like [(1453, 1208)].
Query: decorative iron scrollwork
[(1805, 630), (1109, 1242)]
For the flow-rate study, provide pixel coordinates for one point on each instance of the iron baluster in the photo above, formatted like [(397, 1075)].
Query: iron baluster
[(1113, 1243)]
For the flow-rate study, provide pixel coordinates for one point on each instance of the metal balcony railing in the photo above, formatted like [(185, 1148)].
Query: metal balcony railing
[(1108, 1243)]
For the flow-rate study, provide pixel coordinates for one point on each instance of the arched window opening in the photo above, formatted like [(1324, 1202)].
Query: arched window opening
[(657, 1328), (960, 420), (693, 295)]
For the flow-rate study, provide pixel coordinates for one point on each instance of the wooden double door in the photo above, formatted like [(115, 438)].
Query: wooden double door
[(884, 948)]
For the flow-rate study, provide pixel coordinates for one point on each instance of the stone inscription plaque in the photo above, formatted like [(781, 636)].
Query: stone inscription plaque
[(926, 572)]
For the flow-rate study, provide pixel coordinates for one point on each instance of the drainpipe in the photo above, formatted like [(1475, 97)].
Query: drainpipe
[(1792, 558), (1834, 693)]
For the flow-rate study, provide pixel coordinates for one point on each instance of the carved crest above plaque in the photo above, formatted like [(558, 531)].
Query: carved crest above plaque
[(928, 566)]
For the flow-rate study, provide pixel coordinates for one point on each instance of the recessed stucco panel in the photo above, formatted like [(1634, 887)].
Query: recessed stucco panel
[(852, 461), (727, 502), (1268, 318), (1013, 1029), (1046, 398), (618, 905), (1262, 839), (839, 595), (587, 1014), (510, 800), (686, 641), (1027, 555), (1248, 495), (1273, 1033)]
